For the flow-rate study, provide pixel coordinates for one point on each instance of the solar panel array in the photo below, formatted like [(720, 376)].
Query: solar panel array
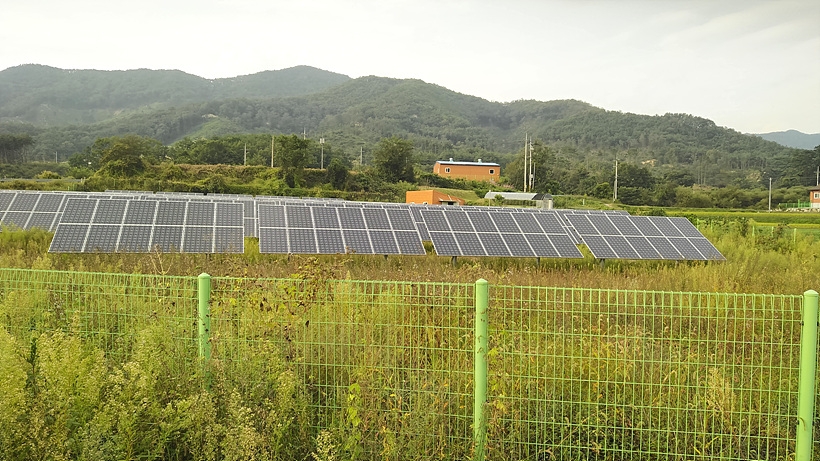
[(474, 232), (643, 237), (140, 226), (192, 222), (319, 229)]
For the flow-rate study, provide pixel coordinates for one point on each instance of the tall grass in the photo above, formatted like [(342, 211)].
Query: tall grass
[(312, 359)]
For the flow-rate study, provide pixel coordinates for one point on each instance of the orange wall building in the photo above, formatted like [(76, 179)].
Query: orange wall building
[(431, 197), (475, 171), (814, 197)]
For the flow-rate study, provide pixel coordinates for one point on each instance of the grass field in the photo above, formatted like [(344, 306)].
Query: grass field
[(362, 357)]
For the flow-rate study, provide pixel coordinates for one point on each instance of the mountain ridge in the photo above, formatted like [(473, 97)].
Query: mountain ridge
[(792, 138)]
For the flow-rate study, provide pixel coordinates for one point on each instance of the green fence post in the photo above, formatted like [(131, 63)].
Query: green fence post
[(204, 322), (480, 374), (808, 369)]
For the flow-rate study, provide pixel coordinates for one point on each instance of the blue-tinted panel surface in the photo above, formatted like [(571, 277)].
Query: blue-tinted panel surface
[(78, 211), (229, 240), (383, 242), (469, 244), (599, 248), (167, 239), (135, 239), (109, 212), (706, 248), (351, 218), (400, 219), (642, 246), (171, 213), (459, 221), (376, 218), (330, 241), (409, 243), (198, 239), (541, 246), (445, 244), (271, 216), (481, 221), (24, 201), (140, 212), (69, 238), (299, 217), (518, 245), (302, 241), (494, 244), (325, 217), (435, 221), (357, 241), (48, 203), (201, 213), (665, 248), (102, 238), (273, 240)]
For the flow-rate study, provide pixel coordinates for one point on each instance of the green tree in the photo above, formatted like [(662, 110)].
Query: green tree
[(337, 174), (393, 159), (123, 156), (292, 154), (13, 147)]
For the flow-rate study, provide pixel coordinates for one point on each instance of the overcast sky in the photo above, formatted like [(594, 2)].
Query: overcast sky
[(750, 65)]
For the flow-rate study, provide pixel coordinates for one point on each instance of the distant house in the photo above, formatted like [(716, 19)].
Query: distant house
[(814, 197), (432, 197), (476, 171)]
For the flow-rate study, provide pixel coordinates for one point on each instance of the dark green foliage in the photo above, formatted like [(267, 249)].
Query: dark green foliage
[(393, 159), (337, 174), (13, 147)]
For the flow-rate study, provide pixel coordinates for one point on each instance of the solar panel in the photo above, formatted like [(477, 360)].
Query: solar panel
[(614, 236), (494, 232), (136, 225), (330, 228)]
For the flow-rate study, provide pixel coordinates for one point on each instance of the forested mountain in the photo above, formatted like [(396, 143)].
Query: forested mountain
[(793, 138), (354, 114), (46, 96)]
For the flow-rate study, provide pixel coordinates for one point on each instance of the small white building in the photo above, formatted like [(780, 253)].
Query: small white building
[(541, 200)]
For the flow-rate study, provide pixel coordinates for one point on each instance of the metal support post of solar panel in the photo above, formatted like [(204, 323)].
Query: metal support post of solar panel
[(140, 226), (483, 232), (610, 236), (332, 228)]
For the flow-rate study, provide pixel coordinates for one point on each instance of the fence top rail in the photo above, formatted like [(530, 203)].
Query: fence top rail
[(493, 287), (646, 292), (97, 274)]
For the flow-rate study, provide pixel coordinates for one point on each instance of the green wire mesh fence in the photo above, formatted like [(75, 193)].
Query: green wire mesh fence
[(388, 366)]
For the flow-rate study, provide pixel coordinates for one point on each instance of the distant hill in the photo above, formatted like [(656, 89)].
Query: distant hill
[(793, 138), (47, 96), (65, 111)]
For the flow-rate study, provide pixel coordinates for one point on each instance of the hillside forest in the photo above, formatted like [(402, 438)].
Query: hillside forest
[(369, 138)]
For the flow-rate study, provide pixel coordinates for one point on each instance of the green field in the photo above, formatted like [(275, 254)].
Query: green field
[(362, 357)]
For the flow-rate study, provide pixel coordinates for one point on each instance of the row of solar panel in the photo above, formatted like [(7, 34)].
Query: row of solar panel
[(126, 225), (462, 231), (107, 238)]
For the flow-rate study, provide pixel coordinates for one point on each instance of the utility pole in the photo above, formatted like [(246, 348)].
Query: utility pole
[(322, 143), (526, 144), (245, 159), (272, 138), (818, 173), (615, 188), (770, 194), (532, 169), (361, 157)]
